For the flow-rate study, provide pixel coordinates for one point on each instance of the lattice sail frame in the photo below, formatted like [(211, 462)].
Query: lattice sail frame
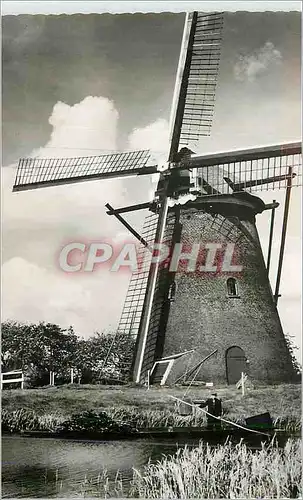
[(39, 172), (205, 52), (155, 336), (133, 305), (251, 170)]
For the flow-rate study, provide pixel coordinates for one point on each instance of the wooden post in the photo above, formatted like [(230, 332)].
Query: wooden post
[(283, 235), (71, 375), (22, 381), (51, 378), (148, 374), (271, 232)]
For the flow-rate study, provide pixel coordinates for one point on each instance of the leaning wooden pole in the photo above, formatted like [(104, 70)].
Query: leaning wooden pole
[(283, 236), (271, 232)]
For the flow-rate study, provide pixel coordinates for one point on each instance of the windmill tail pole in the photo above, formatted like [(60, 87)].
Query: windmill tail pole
[(108, 354), (283, 236)]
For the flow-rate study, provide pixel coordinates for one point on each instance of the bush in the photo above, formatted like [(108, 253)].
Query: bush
[(90, 421)]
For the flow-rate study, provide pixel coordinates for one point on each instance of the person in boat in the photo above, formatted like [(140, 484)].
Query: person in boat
[(213, 407)]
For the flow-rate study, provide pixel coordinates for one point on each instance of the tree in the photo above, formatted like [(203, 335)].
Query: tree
[(40, 348), (292, 348)]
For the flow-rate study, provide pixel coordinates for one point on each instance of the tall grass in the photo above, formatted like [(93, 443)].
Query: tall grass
[(28, 420), (139, 418), (226, 471), (223, 472)]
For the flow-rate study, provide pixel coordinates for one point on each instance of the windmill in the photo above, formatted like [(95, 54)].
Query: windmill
[(173, 314)]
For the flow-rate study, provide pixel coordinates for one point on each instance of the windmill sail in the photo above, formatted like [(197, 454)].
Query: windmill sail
[(202, 77), (39, 172), (194, 99), (191, 118), (254, 169), (153, 341), (133, 305)]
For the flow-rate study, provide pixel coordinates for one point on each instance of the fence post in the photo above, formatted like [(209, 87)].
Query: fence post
[(22, 382), (50, 377), (148, 372), (53, 378), (71, 375)]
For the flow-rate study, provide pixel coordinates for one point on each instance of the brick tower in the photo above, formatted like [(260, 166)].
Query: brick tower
[(231, 312)]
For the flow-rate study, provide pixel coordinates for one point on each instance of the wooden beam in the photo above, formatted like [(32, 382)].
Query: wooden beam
[(271, 232), (127, 225), (187, 374), (236, 156), (130, 208), (258, 182), (283, 236)]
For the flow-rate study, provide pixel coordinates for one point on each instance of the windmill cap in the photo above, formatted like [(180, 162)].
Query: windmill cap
[(186, 150)]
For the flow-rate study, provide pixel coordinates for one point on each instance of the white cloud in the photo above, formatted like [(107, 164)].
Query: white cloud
[(88, 302), (154, 136), (90, 124), (250, 66), (37, 223)]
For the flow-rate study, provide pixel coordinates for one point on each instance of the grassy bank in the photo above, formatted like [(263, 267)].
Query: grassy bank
[(47, 408), (280, 401)]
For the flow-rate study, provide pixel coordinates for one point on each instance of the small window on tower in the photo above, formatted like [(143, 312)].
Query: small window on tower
[(232, 288)]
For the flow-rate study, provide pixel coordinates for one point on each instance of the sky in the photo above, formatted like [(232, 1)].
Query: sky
[(85, 84)]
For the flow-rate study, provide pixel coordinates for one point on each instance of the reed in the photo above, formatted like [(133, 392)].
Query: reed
[(24, 419), (28, 420), (205, 472), (223, 472)]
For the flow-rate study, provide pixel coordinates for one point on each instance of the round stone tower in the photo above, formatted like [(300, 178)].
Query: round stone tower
[(229, 309)]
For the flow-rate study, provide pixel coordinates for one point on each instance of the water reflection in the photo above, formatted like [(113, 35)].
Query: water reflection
[(51, 467)]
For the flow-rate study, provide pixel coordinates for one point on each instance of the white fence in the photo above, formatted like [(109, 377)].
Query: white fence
[(12, 380), (20, 379)]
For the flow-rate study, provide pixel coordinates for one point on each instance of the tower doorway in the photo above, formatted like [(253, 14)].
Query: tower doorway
[(235, 364)]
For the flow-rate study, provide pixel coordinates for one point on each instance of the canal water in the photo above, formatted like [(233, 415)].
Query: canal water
[(46, 467)]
